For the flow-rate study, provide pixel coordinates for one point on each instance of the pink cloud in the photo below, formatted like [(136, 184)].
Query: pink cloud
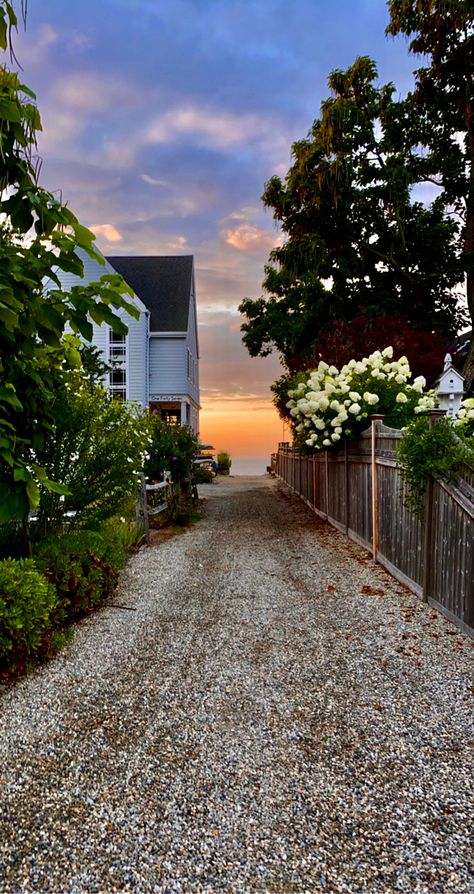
[(248, 237), (107, 231)]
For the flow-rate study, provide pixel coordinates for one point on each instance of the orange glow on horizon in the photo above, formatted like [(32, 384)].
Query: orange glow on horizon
[(244, 431)]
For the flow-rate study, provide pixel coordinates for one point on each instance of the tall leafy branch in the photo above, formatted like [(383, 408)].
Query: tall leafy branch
[(355, 241), (441, 115), (39, 235)]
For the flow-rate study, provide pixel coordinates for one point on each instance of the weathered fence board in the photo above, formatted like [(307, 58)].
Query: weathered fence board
[(338, 486)]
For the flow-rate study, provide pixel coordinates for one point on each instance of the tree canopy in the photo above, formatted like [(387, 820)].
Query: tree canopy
[(441, 115), (356, 240), (38, 235)]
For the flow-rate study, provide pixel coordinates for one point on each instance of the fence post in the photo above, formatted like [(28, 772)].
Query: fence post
[(376, 418), (142, 519), (433, 417), (326, 468), (346, 488)]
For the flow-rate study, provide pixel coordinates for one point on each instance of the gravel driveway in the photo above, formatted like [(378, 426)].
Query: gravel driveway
[(259, 710)]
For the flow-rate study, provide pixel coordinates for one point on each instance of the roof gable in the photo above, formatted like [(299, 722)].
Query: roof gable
[(164, 285)]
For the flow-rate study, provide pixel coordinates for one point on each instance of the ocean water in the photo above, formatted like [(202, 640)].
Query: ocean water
[(257, 466)]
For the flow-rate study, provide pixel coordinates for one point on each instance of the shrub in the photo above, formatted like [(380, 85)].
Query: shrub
[(327, 405), (96, 448), (425, 451), (28, 606), (224, 462), (464, 420), (84, 567), (201, 475), (172, 449)]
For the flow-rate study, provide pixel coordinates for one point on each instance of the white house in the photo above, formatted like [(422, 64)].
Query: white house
[(157, 362), (165, 286)]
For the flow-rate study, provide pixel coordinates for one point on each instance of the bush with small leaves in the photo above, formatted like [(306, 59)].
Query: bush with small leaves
[(28, 606), (84, 567), (430, 450)]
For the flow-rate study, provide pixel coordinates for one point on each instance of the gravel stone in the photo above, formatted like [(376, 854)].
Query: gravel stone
[(276, 714)]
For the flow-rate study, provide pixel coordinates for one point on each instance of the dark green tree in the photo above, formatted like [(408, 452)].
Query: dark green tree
[(355, 242), (39, 236), (441, 115)]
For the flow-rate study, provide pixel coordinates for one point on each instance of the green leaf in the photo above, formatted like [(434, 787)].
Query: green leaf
[(56, 488), (21, 475), (9, 396), (9, 318), (9, 110), (33, 493)]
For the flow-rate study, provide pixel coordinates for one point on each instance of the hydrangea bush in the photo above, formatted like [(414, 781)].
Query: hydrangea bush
[(464, 420), (327, 404)]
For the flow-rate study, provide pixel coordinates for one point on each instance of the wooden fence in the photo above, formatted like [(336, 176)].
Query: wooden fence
[(433, 555), (153, 499)]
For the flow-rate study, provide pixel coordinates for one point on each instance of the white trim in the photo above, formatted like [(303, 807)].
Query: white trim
[(168, 334)]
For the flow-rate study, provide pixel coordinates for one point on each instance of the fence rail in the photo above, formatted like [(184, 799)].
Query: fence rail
[(153, 499), (433, 555)]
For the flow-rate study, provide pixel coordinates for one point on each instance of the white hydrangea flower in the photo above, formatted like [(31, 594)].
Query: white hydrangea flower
[(335, 437), (354, 409), (326, 442), (401, 398), (371, 398), (388, 352), (419, 383), (354, 395)]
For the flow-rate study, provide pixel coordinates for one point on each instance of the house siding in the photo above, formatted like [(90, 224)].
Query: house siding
[(192, 383), (137, 330), (167, 365), (157, 363)]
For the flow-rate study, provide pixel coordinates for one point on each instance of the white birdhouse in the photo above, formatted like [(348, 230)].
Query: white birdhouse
[(449, 388)]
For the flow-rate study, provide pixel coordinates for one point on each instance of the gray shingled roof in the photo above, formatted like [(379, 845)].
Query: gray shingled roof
[(164, 286)]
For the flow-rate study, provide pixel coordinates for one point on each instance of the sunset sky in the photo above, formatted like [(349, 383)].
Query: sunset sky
[(163, 119)]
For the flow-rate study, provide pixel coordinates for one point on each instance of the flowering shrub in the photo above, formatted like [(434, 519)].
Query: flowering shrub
[(172, 449), (327, 405), (464, 419), (96, 448), (426, 450)]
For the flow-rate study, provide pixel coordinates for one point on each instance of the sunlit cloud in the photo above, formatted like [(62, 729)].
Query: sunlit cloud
[(218, 128), (38, 45), (179, 243), (151, 180), (248, 237), (60, 130), (88, 91), (82, 41), (107, 231)]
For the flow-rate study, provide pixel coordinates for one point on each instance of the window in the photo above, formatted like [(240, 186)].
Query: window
[(118, 362), (117, 346)]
